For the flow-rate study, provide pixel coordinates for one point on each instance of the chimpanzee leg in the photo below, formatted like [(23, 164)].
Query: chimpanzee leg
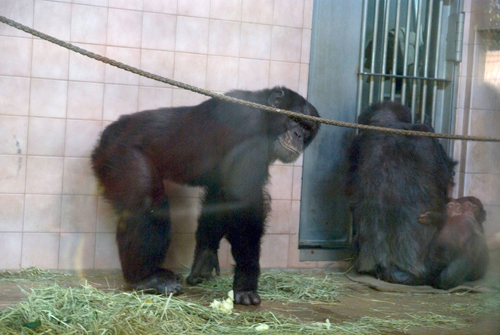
[(453, 274), (244, 235), (143, 233), (211, 229), (466, 262), (143, 239), (393, 274), (235, 208)]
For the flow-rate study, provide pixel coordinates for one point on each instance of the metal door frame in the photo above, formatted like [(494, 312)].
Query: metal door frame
[(337, 87)]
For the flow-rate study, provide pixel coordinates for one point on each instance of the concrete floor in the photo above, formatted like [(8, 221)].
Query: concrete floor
[(357, 301)]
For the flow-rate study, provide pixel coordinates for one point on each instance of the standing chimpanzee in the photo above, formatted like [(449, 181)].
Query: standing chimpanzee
[(392, 180), (458, 251), (222, 146)]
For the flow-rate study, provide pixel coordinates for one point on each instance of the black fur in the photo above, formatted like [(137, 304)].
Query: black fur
[(392, 180), (222, 146)]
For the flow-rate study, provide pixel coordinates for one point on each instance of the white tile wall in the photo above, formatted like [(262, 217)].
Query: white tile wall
[(53, 18), (83, 68), (20, 11), (85, 100), (13, 172), (11, 207), (167, 7), (198, 8), (153, 97), (478, 102), (14, 95), (222, 73), (118, 100), (42, 213), (46, 136), (48, 97), (43, 66), (255, 41), (44, 175), (79, 213), (258, 11), (124, 28), (190, 68), (224, 38), (13, 134), (154, 25), (130, 56), (16, 56), (192, 34), (11, 249), (89, 24), (229, 10), (54, 103)]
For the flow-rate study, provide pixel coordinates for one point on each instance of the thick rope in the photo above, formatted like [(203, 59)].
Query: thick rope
[(234, 100)]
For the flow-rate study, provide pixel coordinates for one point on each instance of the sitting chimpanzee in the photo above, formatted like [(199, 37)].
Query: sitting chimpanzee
[(458, 251), (392, 180), (222, 146)]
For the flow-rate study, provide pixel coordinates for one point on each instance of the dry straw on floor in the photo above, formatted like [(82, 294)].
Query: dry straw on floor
[(285, 286), (86, 310)]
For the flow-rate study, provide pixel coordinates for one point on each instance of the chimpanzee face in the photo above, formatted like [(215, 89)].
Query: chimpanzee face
[(295, 134), (293, 141)]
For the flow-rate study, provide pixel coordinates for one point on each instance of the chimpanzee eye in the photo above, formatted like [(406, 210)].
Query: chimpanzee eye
[(306, 126)]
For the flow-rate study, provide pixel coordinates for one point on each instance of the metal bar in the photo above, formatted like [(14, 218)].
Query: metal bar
[(417, 53), (426, 59), (404, 77), (437, 60), (396, 49), (405, 57), (441, 96), (460, 37), (374, 47), (362, 57), (385, 35)]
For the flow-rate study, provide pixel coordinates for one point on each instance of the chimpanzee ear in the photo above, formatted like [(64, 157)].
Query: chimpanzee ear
[(276, 98)]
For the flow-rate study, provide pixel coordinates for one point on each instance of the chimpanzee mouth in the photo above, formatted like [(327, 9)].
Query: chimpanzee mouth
[(290, 148), (286, 153)]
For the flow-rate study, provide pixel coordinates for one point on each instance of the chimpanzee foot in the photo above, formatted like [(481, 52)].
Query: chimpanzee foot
[(162, 282), (246, 298), (397, 276), (204, 263)]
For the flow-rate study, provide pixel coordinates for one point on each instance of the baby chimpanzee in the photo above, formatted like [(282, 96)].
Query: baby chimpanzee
[(458, 251)]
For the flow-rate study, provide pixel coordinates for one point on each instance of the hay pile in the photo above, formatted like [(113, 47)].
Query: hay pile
[(56, 309), (30, 274), (285, 286), (87, 310)]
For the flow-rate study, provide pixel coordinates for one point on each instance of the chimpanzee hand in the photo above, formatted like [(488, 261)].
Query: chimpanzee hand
[(432, 218), (162, 282), (425, 218), (205, 261)]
